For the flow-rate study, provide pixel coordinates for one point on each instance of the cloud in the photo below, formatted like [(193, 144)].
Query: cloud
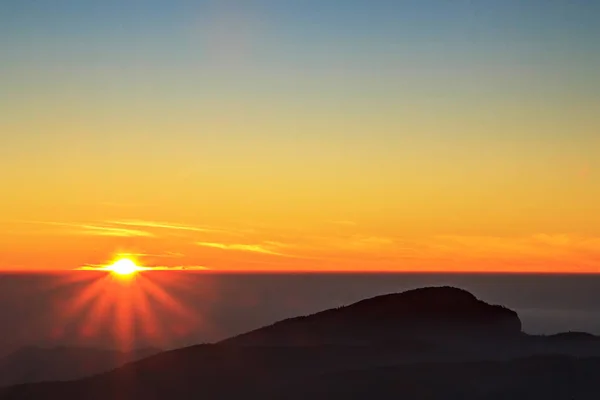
[(537, 252), (254, 248), (93, 267), (169, 254), (179, 268), (97, 230), (166, 225), (112, 231), (132, 228)]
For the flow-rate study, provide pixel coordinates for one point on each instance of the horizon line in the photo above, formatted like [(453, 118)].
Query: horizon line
[(296, 272)]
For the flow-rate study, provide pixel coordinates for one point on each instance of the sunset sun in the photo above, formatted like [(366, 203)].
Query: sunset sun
[(124, 267)]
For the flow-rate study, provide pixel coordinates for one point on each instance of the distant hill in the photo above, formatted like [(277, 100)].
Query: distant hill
[(434, 313), (36, 364), (573, 336), (434, 343)]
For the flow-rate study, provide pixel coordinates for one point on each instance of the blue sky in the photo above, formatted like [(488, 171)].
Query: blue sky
[(313, 20)]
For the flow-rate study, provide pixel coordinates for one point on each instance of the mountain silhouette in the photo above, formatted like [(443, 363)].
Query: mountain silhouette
[(435, 343), (431, 313), (573, 336), (36, 364), (540, 377)]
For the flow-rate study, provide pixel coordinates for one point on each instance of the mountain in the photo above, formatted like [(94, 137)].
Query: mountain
[(542, 377), (230, 372), (435, 343), (36, 364), (434, 313), (574, 337)]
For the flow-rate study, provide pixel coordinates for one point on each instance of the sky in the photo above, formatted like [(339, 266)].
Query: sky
[(308, 135)]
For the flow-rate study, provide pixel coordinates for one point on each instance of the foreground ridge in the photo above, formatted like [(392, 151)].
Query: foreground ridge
[(435, 342)]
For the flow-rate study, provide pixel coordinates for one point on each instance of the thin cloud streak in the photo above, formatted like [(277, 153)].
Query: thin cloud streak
[(179, 268), (111, 231), (98, 267), (253, 248), (163, 255), (96, 230), (167, 225)]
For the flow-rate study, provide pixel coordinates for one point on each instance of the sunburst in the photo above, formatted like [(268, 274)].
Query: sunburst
[(128, 303), (124, 267)]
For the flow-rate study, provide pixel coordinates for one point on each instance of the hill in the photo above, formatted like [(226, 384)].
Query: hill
[(436, 343), (37, 364), (229, 372), (429, 314)]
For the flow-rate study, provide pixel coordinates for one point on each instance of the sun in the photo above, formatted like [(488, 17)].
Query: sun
[(124, 267)]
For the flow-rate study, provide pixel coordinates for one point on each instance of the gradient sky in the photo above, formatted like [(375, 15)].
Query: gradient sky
[(301, 135)]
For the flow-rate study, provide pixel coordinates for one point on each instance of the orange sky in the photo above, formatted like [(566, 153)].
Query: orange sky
[(243, 139), (331, 246)]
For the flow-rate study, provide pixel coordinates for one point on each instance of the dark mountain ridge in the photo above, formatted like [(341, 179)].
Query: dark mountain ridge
[(427, 313), (232, 372), (573, 336), (37, 364), (437, 343)]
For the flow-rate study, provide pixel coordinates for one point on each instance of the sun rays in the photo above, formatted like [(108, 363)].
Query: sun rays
[(132, 305)]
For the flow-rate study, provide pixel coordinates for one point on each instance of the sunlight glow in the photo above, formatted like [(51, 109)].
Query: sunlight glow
[(124, 267), (120, 304)]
